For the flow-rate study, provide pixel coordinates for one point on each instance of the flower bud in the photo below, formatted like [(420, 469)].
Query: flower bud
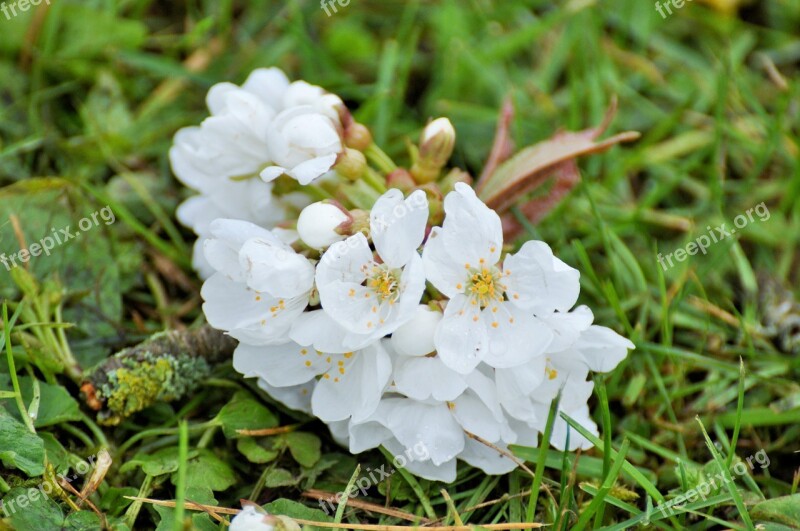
[(400, 179), (415, 338), (456, 175), (350, 164), (357, 136), (318, 222), (253, 518), (435, 148)]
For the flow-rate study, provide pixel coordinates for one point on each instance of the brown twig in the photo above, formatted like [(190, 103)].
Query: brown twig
[(316, 494)]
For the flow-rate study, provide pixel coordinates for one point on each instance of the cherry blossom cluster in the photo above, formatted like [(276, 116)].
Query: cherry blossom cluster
[(392, 309)]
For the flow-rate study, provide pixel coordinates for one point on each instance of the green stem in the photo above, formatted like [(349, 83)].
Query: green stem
[(133, 511), (12, 370), (262, 480), (162, 431), (78, 434), (96, 431), (343, 500), (379, 158), (375, 180), (4, 486), (180, 487)]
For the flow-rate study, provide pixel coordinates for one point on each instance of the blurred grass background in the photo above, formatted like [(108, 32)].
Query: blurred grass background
[(93, 91)]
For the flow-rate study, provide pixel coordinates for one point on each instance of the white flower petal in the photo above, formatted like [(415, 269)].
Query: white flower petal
[(540, 282), (430, 426), (514, 336), (344, 261), (247, 316), (423, 378), (472, 231), (269, 85), (602, 348), (461, 339), (283, 365), (308, 170), (427, 469), (567, 327), (273, 267), (442, 271), (561, 428), (487, 459), (397, 226), (358, 390)]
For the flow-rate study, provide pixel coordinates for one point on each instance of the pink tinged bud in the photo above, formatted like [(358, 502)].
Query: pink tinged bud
[(401, 179), (357, 136), (415, 338), (318, 224)]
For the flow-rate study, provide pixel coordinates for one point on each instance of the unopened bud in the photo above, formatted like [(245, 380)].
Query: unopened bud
[(357, 136), (318, 224), (456, 175), (253, 518), (400, 179), (435, 148), (435, 203), (415, 338), (358, 221), (350, 164)]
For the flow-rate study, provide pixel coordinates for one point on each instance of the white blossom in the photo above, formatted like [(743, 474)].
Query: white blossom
[(491, 314)]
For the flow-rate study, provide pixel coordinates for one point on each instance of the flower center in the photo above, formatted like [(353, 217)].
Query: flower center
[(384, 282), (484, 286)]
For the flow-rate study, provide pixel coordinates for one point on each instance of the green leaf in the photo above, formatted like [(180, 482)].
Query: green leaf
[(57, 455), (56, 405), (109, 32), (82, 521), (113, 501), (31, 509), (783, 510), (209, 470), (244, 413), (279, 477), (294, 509), (254, 451), (19, 448), (164, 461), (304, 447)]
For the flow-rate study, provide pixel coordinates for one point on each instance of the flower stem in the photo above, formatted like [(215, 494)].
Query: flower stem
[(379, 158), (12, 371), (375, 180)]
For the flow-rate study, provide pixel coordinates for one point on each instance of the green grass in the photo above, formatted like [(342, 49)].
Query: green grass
[(93, 91)]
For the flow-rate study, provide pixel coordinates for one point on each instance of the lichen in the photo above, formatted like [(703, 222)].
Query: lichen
[(141, 382)]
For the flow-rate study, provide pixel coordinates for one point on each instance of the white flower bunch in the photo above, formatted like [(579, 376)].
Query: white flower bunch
[(409, 323), (256, 132)]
